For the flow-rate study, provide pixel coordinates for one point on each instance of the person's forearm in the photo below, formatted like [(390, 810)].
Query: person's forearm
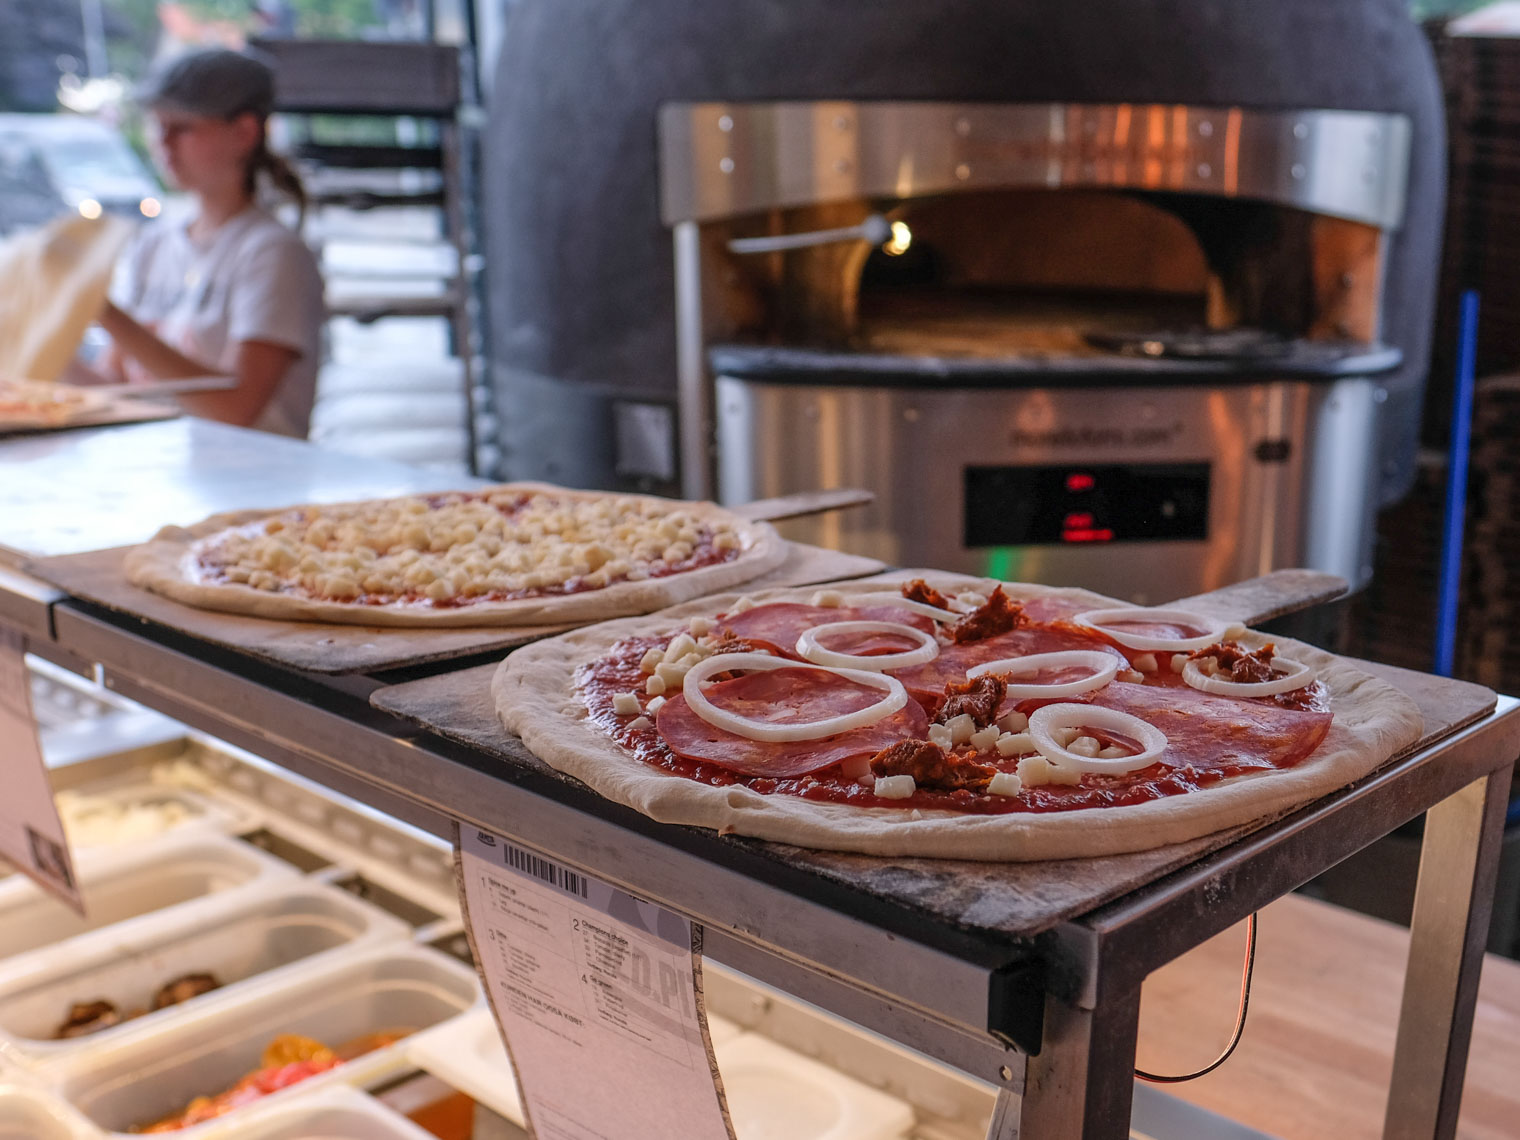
[(143, 346), (80, 374)]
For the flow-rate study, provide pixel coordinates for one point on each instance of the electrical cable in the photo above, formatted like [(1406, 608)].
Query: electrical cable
[(1240, 1019)]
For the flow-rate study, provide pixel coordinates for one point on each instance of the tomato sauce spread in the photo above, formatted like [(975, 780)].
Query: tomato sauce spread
[(1210, 738)]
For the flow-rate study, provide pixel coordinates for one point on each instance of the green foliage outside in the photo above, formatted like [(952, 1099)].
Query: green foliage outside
[(1444, 9)]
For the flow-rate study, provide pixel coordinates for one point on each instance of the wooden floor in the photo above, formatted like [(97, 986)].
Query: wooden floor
[(1318, 1047)]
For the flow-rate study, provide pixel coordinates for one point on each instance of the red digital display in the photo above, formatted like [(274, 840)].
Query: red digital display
[(1080, 481), (1088, 534)]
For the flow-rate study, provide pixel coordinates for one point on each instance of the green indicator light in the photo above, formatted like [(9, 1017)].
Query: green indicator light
[(1003, 562)]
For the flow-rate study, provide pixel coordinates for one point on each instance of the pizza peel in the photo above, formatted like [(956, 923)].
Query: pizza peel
[(1021, 899), (97, 576)]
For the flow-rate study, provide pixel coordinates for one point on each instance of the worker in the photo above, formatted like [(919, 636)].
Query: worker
[(231, 291)]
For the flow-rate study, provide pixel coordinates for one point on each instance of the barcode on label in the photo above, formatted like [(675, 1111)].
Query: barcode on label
[(49, 859), (541, 868)]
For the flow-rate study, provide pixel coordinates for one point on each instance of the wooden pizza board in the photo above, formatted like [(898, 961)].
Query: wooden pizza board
[(336, 650), (1015, 899)]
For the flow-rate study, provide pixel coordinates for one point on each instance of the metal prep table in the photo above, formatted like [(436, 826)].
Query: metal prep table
[(1027, 976)]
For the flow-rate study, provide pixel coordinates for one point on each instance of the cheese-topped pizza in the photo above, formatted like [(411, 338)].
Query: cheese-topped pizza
[(39, 404), (514, 554), (949, 717)]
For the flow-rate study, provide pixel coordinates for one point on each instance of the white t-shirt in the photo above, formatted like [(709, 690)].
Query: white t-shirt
[(252, 279)]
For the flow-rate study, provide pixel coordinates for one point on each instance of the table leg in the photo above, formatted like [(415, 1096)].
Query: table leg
[(1453, 900), (1082, 1082)]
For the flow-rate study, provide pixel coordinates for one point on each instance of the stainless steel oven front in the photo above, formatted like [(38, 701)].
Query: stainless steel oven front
[(1144, 493)]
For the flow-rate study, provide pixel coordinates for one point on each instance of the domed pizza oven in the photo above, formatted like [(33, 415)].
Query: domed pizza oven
[(1135, 296)]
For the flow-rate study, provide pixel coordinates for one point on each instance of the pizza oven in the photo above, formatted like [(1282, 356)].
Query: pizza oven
[(1131, 296)]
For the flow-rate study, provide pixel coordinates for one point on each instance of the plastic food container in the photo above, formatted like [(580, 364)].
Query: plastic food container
[(111, 817), (30, 1114), (776, 1094), (468, 1054), (235, 937), (147, 1074), (123, 885), (331, 1114)]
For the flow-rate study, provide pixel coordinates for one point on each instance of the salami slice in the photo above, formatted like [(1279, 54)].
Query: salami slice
[(781, 696), (926, 683), (1206, 732), (778, 626)]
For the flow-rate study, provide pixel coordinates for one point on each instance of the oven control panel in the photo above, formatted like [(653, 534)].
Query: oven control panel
[(1088, 503)]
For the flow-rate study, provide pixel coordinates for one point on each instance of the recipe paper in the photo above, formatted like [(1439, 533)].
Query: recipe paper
[(31, 834), (598, 995)]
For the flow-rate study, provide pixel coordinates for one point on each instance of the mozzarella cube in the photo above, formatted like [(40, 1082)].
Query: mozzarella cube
[(1084, 746), (828, 598), (1034, 771), (700, 626), (1015, 744), (626, 704), (671, 673), (961, 727), (1146, 663), (1178, 661), (639, 724), (1064, 736), (1005, 784), (655, 685), (1112, 752), (655, 705), (939, 734), (984, 738), (651, 659), (1013, 722), (1037, 770), (679, 647), (745, 602), (1133, 676), (972, 599), (894, 787)]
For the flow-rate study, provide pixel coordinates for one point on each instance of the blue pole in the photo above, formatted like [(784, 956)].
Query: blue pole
[(1456, 486)]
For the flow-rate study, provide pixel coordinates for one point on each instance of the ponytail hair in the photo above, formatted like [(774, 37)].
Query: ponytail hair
[(279, 175)]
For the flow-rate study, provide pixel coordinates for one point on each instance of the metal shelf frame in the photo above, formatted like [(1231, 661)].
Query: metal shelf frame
[(936, 993)]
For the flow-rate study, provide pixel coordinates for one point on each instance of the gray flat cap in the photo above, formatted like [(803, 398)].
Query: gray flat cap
[(214, 82)]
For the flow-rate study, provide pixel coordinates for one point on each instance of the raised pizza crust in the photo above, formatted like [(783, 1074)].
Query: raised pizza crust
[(165, 565), (534, 698)]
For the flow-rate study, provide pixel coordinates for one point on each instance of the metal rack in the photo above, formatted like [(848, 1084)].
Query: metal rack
[(430, 84), (1043, 1004)]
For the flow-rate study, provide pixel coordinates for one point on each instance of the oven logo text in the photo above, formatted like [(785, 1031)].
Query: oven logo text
[(1148, 436)]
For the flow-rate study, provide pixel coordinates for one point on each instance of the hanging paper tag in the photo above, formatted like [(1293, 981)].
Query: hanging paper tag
[(31, 834), (598, 996)]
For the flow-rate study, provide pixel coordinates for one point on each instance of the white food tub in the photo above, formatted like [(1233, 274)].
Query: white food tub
[(30, 1114), (148, 1074), (773, 1093), (123, 885), (331, 1114), (776, 1094), (235, 936)]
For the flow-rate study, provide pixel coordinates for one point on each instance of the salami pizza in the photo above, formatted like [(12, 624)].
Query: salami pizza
[(513, 554), (949, 717)]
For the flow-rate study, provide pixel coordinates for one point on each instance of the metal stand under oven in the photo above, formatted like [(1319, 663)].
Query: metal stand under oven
[(1027, 976)]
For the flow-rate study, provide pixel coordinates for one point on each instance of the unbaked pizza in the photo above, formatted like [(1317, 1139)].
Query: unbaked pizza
[(514, 554), (31, 404), (949, 717)]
